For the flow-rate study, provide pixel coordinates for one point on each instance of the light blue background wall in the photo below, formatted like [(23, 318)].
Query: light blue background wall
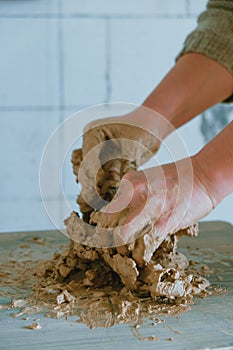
[(59, 56)]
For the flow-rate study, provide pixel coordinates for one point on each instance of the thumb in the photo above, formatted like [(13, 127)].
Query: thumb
[(76, 161), (122, 198), (115, 213)]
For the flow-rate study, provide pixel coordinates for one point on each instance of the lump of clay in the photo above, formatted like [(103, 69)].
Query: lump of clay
[(147, 267), (143, 266)]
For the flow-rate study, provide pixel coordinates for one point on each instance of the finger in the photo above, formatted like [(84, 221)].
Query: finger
[(95, 133), (104, 182), (91, 138), (85, 209), (108, 178), (76, 161), (122, 198)]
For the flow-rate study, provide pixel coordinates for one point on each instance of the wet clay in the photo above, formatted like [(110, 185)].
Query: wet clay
[(141, 267), (145, 267), (124, 284), (40, 286), (106, 286)]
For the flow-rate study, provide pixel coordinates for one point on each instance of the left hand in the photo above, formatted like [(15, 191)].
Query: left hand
[(112, 147)]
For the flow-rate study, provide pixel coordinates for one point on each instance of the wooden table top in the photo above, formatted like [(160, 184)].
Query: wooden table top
[(209, 324)]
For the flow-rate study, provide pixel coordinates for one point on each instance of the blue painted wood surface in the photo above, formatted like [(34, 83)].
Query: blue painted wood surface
[(209, 324)]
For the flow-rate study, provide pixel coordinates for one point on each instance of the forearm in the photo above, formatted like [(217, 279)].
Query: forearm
[(194, 84), (203, 74), (215, 165)]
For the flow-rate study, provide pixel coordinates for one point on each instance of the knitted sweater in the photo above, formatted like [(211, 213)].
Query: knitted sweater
[(213, 36)]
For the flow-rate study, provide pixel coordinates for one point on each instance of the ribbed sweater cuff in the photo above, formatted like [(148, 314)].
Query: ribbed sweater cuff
[(209, 43)]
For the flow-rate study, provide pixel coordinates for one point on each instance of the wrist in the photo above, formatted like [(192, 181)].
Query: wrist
[(204, 178), (215, 163), (151, 121)]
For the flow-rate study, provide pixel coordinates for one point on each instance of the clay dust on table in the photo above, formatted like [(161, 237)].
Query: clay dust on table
[(105, 286), (39, 287)]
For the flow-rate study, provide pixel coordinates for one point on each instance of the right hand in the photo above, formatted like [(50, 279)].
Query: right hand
[(163, 199), (128, 146)]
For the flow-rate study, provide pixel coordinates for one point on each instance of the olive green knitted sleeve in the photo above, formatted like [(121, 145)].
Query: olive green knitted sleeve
[(213, 36)]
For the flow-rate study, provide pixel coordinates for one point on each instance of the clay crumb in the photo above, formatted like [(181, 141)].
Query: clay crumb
[(157, 321), (65, 297), (169, 339), (34, 325), (36, 240), (152, 338), (18, 303), (24, 246)]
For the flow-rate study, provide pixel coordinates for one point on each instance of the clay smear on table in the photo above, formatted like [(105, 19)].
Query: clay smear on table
[(107, 286), (64, 286)]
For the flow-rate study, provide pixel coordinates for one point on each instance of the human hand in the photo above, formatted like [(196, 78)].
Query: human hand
[(111, 148), (162, 200)]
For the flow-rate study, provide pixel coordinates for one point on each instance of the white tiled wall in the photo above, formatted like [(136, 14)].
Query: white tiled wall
[(29, 65), (84, 43), (197, 6), (23, 136), (28, 8), (124, 8), (59, 56), (142, 52), (30, 215)]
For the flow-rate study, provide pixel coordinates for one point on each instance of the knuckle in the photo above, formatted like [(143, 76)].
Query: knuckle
[(138, 181), (130, 176), (91, 125)]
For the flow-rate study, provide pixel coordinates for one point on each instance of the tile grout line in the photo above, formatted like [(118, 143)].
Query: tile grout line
[(188, 8), (61, 90), (108, 80), (41, 108), (101, 16), (38, 198), (60, 62)]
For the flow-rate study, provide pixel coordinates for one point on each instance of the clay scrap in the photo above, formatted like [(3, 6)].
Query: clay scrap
[(141, 267), (146, 266), (106, 286)]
